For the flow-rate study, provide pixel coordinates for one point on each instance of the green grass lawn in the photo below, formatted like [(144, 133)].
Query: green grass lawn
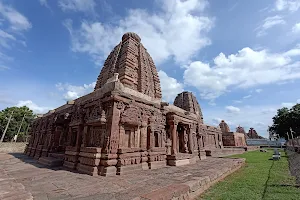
[(260, 178)]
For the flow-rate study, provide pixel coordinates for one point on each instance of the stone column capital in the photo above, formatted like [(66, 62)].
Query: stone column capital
[(172, 122)]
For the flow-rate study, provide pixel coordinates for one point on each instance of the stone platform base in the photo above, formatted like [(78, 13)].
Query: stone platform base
[(131, 168), (181, 159), (184, 182), (50, 161)]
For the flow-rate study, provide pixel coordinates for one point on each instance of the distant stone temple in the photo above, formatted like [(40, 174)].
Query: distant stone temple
[(224, 127), (240, 129), (252, 134), (232, 139), (123, 125)]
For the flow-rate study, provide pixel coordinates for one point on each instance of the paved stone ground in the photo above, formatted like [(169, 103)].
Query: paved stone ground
[(23, 178)]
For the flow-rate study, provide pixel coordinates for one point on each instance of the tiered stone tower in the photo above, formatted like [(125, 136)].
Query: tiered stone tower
[(224, 127), (187, 101), (134, 65), (240, 129)]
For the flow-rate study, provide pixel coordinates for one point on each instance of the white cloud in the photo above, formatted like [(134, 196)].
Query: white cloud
[(289, 5), (238, 101), (288, 104), (5, 39), (170, 86), (247, 68), (255, 117), (12, 25), (34, 107), (86, 6), (268, 110), (258, 90), (72, 92), (17, 21), (247, 97), (45, 3), (177, 30), (2, 67), (296, 28), (216, 121), (268, 23), (232, 109)]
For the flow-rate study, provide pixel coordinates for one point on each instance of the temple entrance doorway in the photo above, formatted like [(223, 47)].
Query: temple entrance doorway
[(181, 147), (148, 138)]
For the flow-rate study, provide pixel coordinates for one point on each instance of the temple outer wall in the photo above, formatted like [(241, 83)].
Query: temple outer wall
[(234, 139)]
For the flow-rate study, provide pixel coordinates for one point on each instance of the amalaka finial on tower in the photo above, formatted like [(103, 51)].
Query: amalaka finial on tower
[(131, 35)]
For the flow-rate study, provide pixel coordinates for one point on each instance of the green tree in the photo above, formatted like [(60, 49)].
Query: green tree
[(286, 119), (18, 113)]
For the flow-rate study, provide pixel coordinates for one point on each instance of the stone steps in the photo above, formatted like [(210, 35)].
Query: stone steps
[(51, 161), (57, 155)]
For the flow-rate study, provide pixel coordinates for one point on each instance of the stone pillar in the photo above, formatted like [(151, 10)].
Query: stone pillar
[(173, 127), (191, 143), (109, 153), (79, 136), (185, 139), (113, 128), (85, 136), (216, 140), (144, 137)]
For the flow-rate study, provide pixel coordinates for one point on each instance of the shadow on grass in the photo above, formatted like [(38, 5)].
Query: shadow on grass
[(284, 185), (266, 184)]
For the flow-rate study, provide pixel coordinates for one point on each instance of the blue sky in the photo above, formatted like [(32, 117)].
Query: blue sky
[(240, 58)]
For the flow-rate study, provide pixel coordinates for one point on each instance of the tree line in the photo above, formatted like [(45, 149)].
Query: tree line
[(286, 120), (17, 114)]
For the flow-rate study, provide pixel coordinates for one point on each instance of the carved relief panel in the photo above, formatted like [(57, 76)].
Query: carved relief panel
[(96, 136)]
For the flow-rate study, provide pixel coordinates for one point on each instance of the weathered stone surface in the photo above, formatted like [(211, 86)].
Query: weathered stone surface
[(28, 181)]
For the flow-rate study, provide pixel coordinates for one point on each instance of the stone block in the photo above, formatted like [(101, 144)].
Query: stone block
[(178, 162), (107, 170), (121, 170), (89, 161), (157, 164), (90, 149), (86, 169), (90, 155), (70, 165)]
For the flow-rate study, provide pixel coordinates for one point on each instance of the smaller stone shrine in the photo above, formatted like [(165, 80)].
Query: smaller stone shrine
[(234, 139), (252, 134)]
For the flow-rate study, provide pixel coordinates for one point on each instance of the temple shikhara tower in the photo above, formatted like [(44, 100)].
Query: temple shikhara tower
[(123, 125)]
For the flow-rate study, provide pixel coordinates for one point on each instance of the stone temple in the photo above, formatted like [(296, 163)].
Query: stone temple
[(232, 139), (123, 125)]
